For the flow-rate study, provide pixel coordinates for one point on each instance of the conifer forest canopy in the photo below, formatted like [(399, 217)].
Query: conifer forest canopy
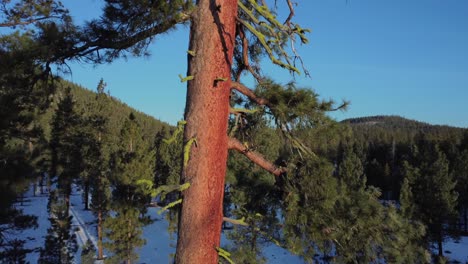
[(261, 164)]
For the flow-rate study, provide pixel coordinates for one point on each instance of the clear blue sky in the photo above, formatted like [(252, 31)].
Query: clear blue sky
[(398, 57)]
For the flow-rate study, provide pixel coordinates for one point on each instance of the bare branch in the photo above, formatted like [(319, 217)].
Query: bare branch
[(245, 46), (291, 14), (249, 93), (255, 157), (245, 56)]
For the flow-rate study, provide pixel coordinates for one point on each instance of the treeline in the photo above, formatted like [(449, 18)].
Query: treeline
[(366, 192), (83, 138), (379, 188), (105, 150), (420, 162)]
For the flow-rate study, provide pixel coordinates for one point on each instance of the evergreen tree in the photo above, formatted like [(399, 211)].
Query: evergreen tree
[(128, 26), (206, 112), (359, 216), (134, 164), (60, 243), (310, 197), (406, 233), (12, 223), (24, 90), (439, 207), (14, 252), (88, 253), (124, 230), (461, 177), (24, 13), (66, 158), (434, 194), (168, 158), (99, 167), (134, 161), (168, 164), (251, 196)]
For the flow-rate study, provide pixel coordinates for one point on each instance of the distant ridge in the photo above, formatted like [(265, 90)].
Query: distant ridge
[(381, 127), (392, 121)]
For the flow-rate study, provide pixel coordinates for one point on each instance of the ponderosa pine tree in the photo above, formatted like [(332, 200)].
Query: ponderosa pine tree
[(25, 87), (168, 160), (12, 223), (168, 163), (99, 164), (217, 29), (93, 120), (369, 229), (209, 87), (123, 231), (64, 144), (88, 252), (252, 202), (406, 232), (60, 242), (439, 206), (134, 163), (24, 91), (23, 13), (461, 176), (433, 191)]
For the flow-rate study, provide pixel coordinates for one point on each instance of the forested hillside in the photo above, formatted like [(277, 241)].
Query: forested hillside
[(386, 141), (423, 163), (118, 111)]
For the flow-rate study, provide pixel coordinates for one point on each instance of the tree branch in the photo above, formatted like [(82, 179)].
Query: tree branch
[(249, 93), (291, 14), (235, 221), (26, 22), (237, 111), (122, 43), (255, 157), (245, 55)]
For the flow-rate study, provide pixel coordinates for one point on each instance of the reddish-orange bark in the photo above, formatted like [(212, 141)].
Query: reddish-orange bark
[(207, 108)]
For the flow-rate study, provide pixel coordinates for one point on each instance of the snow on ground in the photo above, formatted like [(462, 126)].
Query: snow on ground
[(159, 244), (83, 222), (35, 205), (278, 255), (457, 249)]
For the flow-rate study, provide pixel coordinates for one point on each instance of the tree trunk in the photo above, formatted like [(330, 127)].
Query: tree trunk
[(465, 218), (129, 235), (253, 242), (21, 198), (86, 195), (67, 202), (100, 202), (212, 36), (99, 233), (439, 244)]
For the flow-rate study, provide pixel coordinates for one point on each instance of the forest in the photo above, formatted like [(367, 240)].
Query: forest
[(259, 165)]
